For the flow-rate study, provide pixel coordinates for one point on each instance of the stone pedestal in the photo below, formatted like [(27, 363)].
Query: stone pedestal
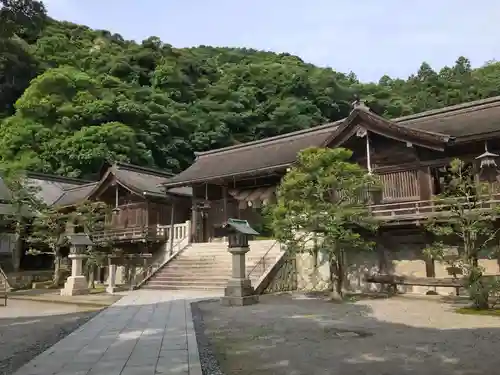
[(76, 284), (239, 291)]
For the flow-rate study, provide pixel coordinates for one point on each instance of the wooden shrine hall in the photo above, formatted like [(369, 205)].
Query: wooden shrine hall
[(410, 154)]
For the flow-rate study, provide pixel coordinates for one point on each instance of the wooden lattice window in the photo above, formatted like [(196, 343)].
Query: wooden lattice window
[(400, 186)]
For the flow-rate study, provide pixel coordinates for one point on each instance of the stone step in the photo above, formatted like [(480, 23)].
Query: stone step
[(224, 251), (185, 287), (201, 269), (209, 266), (182, 277), (192, 283)]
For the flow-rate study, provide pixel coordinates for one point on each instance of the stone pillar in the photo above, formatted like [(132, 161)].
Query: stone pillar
[(75, 284), (239, 291), (111, 288)]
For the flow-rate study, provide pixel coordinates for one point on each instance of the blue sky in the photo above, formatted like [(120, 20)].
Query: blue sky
[(368, 37)]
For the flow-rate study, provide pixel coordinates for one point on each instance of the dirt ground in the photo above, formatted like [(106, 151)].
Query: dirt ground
[(28, 328), (296, 335)]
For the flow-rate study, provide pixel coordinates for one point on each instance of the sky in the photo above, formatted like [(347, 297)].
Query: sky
[(368, 37)]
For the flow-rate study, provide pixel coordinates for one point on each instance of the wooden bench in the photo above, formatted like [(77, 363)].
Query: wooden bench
[(394, 280)]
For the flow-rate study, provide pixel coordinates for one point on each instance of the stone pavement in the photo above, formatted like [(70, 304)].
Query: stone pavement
[(145, 333)]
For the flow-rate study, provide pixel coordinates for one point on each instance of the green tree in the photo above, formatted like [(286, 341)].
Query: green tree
[(90, 216), (25, 18), (21, 22), (176, 101), (322, 206), (466, 222), (25, 203), (48, 236)]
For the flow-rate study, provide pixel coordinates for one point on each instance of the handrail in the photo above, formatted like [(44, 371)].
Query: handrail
[(262, 259), (435, 205), (155, 265), (6, 285), (430, 201)]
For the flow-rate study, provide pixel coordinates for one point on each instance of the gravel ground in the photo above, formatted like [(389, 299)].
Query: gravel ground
[(295, 335), (29, 328)]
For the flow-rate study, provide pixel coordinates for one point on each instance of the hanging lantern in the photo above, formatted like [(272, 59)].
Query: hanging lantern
[(487, 164), (487, 159)]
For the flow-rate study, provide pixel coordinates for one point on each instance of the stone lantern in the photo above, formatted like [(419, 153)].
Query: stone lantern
[(76, 283), (239, 291)]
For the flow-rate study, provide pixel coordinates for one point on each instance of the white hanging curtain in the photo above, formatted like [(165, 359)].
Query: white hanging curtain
[(253, 197)]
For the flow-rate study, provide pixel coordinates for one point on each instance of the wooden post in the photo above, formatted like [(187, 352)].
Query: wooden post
[(194, 221), (172, 223), (224, 197), (368, 157)]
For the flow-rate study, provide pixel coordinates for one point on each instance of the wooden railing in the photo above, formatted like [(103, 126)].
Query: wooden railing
[(428, 208), (159, 232), (180, 241), (159, 262), (261, 266), (4, 286), (179, 232), (125, 234)]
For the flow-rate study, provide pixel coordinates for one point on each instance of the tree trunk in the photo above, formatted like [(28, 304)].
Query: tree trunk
[(91, 276), (18, 248), (340, 272), (57, 269), (335, 279)]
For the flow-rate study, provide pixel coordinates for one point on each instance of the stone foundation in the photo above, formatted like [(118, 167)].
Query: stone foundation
[(313, 275), (74, 286)]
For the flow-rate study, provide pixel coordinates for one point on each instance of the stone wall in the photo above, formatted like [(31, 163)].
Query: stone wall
[(313, 273), (24, 279)]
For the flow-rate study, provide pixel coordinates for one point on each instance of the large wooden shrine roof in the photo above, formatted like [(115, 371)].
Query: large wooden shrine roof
[(434, 129)]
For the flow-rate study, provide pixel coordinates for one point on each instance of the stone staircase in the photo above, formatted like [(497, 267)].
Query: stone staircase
[(207, 266)]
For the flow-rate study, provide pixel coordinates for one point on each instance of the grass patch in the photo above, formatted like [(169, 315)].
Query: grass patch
[(473, 311)]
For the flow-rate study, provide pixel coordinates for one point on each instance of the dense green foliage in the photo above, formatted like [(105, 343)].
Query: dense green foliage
[(70, 97), (322, 206)]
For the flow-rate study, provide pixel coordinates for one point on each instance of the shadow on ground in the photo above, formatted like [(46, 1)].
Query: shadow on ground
[(287, 336), (25, 332), (144, 333)]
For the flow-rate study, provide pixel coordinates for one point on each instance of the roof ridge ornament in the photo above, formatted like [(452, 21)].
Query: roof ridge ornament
[(358, 103)]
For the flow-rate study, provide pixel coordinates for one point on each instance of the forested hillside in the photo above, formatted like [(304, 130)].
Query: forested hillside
[(71, 97)]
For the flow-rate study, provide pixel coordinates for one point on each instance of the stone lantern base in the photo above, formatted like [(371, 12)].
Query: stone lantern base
[(239, 292), (75, 285)]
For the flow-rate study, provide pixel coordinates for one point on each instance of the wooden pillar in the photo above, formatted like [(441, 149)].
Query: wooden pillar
[(194, 221), (224, 205), (425, 183), (425, 187), (172, 224)]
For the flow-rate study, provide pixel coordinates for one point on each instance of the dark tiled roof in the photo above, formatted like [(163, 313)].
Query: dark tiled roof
[(146, 180), (51, 188), (75, 194), (460, 121), (272, 153), (464, 120)]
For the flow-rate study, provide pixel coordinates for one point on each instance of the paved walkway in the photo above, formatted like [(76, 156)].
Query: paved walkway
[(144, 333)]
